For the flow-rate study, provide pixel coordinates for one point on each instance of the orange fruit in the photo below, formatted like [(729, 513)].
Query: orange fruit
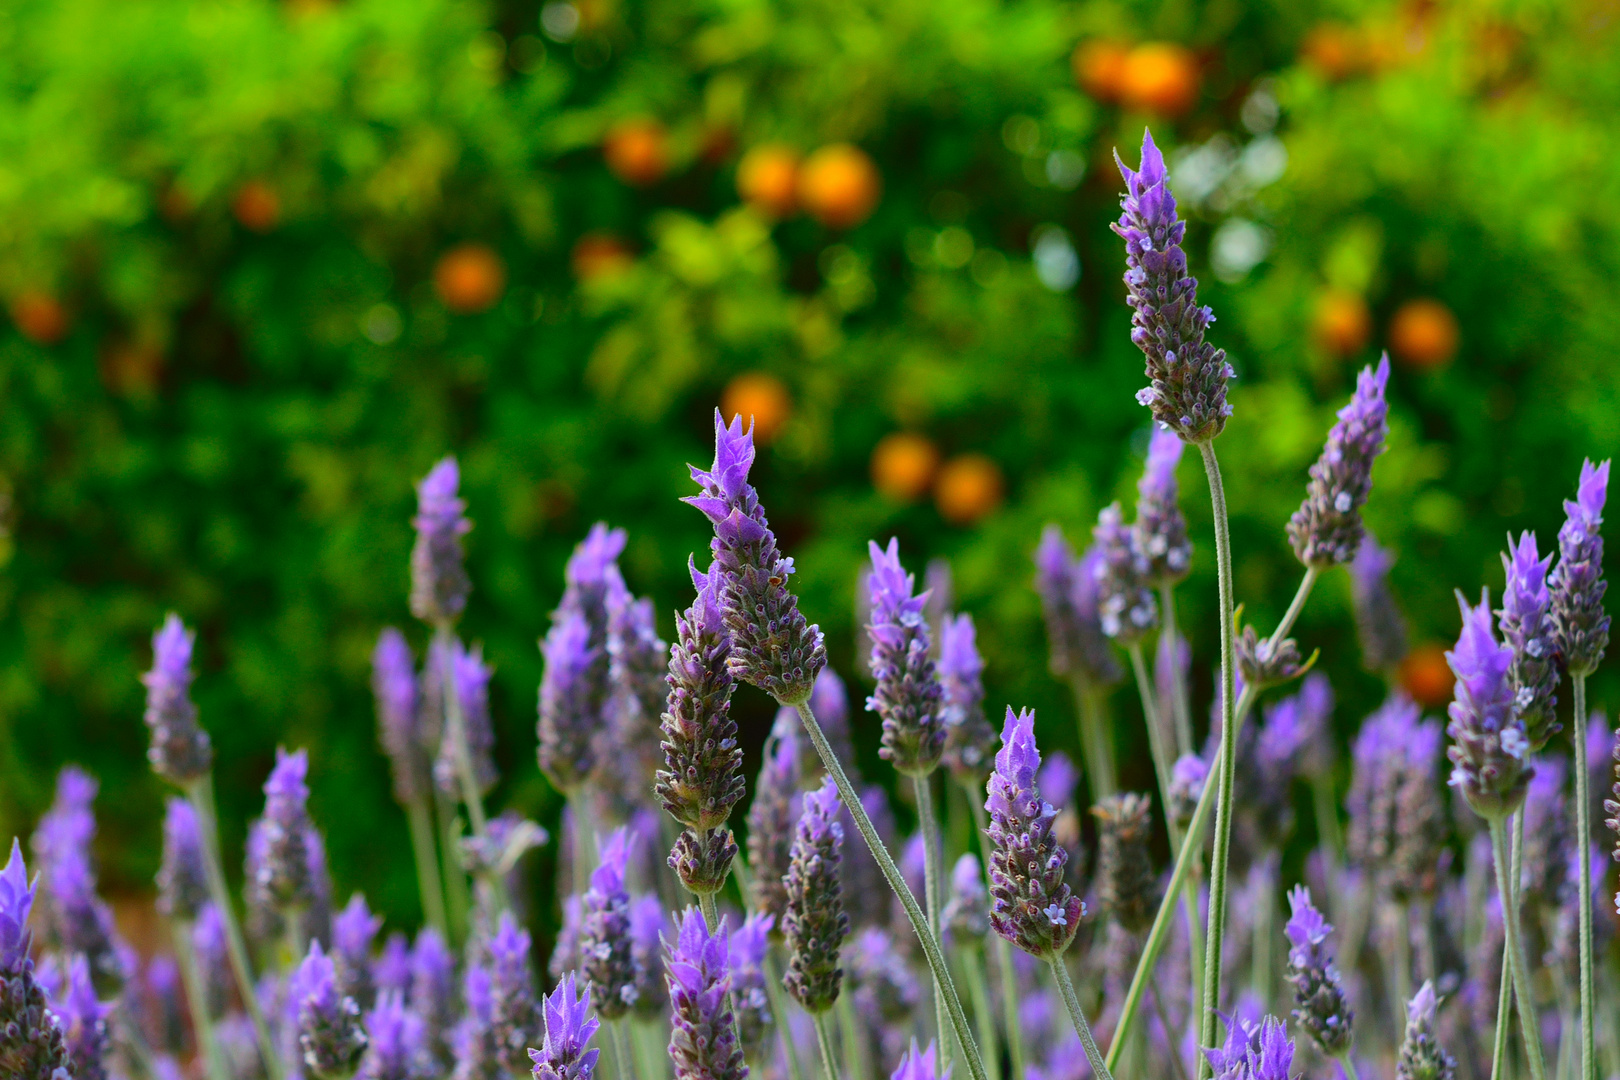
[(1099, 68), (40, 317), (257, 206), (1160, 77), (1333, 50), (600, 254), (1341, 324), (469, 278), (1426, 676), (767, 178), (969, 487), (1424, 333), (637, 151), (903, 465), (839, 186), (759, 397)]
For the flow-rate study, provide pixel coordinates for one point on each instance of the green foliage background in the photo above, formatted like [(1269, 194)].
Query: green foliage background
[(258, 478)]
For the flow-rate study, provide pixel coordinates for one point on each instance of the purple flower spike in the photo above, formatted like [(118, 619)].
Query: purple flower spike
[(568, 716), (966, 916), (399, 719), (180, 750), (1527, 628), (31, 1046), (1326, 530), (605, 945), (1319, 995), (1490, 749), (569, 1028), (329, 1031), (433, 987), (702, 779), (920, 1065), (1161, 530), (471, 676), (75, 918), (439, 584), (282, 872), (1031, 905), (775, 649), (1422, 1057), (502, 1017), (16, 901), (399, 1045), (353, 930), (1580, 627), (908, 694), (1187, 777), (771, 818), (84, 1022), (750, 944), (1067, 586), (1126, 606), (1253, 1051), (815, 925), (638, 664), (702, 1040), (1380, 627), (1188, 376), (970, 741), (182, 882), (392, 971)]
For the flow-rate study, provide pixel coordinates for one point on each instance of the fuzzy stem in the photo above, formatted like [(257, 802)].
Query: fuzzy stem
[(773, 990), (1515, 957), (1156, 747), (1349, 1066), (1583, 836), (852, 1042), (457, 903), (1180, 712), (1004, 959), (824, 1040), (1227, 771), (711, 910), (1403, 960), (201, 794), (880, 854), (1504, 987), (1192, 847), (1061, 974), (929, 827), (979, 991), (457, 725), (621, 1050), (427, 865), (201, 1023), (1094, 739)]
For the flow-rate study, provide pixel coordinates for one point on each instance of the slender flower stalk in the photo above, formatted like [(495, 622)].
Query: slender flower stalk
[(402, 729)]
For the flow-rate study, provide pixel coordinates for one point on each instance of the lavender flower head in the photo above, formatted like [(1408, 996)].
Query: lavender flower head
[(771, 818), (920, 1065), (1490, 749), (567, 724), (83, 1019), (1188, 376), (569, 1028), (1068, 590), (1421, 1055), (181, 880), (647, 924), (908, 693), (1253, 1051), (31, 1046), (76, 919), (399, 720), (750, 944), (1126, 606), (392, 971), (470, 676), (774, 648), (1380, 627), (1030, 902), (605, 945), (512, 1015), (970, 741), (702, 1040), (815, 924), (439, 583), (1187, 777), (329, 1030), (180, 750), (1161, 529), (1527, 628), (966, 915), (638, 663), (1580, 627), (398, 1046), (16, 901), (433, 986), (1322, 1008), (1326, 530), (353, 930), (1127, 887), (282, 871)]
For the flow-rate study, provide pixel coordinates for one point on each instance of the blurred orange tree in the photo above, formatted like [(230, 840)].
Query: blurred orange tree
[(266, 261)]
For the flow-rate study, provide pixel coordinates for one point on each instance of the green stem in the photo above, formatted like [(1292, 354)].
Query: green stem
[(196, 999), (457, 901), (880, 854), (1180, 712), (1228, 763), (427, 865), (979, 991), (773, 990), (854, 1042), (1094, 740), (1098, 1068), (621, 1050), (1191, 848), (1349, 1067), (929, 827), (1583, 830), (1327, 820), (1004, 958), (584, 840), (457, 724), (711, 911), (824, 1040), (1403, 960), (1504, 988), (1516, 961), (1156, 747), (201, 794)]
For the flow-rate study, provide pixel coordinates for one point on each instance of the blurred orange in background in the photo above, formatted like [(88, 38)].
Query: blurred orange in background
[(1161, 78), (1333, 50), (469, 278), (1341, 323), (1099, 68), (839, 186), (40, 317), (1426, 676), (903, 465), (758, 397), (257, 206), (598, 255), (1424, 333), (970, 487), (768, 179), (637, 151)]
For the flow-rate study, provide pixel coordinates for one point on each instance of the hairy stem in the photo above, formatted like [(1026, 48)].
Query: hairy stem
[(979, 991), (457, 903), (928, 825), (1583, 836), (1094, 745), (773, 990), (621, 1049), (853, 1042), (1156, 747), (1515, 957), (196, 1000), (1504, 989), (1180, 712), (1004, 958), (824, 1040), (427, 865), (891, 873), (1098, 1068), (1349, 1067)]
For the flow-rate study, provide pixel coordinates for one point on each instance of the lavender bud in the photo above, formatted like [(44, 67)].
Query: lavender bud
[(398, 1048), (638, 664), (829, 700), (970, 741), (1031, 905), (1549, 837), (1380, 628), (392, 971), (83, 1020), (180, 750), (908, 693), (1068, 590), (1579, 625), (181, 881), (569, 1028), (1419, 818), (502, 1018), (1127, 888), (470, 676), (771, 819), (966, 916), (750, 944), (920, 1065), (1490, 748), (647, 924), (213, 961), (399, 727), (439, 584), (702, 1039), (282, 873), (1126, 606), (1188, 376), (31, 1045), (1263, 664), (329, 1031), (702, 778), (1253, 1051), (774, 649), (1161, 530), (1187, 777), (1527, 628), (76, 919), (1318, 992), (605, 947), (1421, 1055), (1326, 530), (815, 924), (353, 931), (567, 722), (433, 989)]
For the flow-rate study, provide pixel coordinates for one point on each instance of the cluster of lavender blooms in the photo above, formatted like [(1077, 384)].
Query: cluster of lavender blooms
[(1463, 929)]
